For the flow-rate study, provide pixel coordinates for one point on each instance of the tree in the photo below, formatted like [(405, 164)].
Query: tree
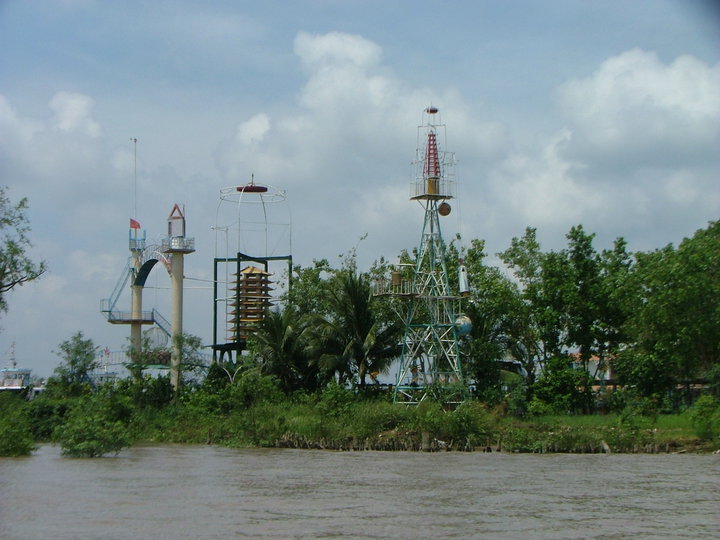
[(145, 356), (563, 389), (582, 294), (193, 365), (353, 341), (280, 346), (616, 268), (489, 306), (15, 434), (672, 297), (308, 293), (16, 267), (96, 425), (593, 302), (571, 299), (72, 376), (537, 329)]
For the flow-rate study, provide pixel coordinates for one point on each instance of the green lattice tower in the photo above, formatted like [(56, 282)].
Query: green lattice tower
[(430, 365)]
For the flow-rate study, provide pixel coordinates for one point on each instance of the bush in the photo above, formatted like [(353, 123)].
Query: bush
[(251, 387), (335, 400), (564, 389), (95, 426), (15, 436), (540, 408), (46, 414), (91, 435), (705, 418), (429, 416), (515, 401), (148, 391), (470, 423), (369, 418)]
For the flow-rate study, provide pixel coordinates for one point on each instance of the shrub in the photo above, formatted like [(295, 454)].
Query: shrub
[(46, 414), (429, 416), (148, 391), (470, 423), (515, 401), (335, 400), (91, 435), (368, 418), (15, 436), (705, 418), (564, 389), (94, 427), (251, 387), (521, 439), (540, 408)]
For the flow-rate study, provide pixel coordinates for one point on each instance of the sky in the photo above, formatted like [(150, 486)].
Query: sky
[(605, 114)]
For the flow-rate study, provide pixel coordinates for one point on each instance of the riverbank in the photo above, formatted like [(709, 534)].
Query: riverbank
[(383, 426), (103, 423)]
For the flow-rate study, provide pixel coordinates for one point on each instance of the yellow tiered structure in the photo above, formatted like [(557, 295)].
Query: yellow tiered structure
[(252, 298)]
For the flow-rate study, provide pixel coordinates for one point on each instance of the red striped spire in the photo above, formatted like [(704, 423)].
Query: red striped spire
[(431, 167)]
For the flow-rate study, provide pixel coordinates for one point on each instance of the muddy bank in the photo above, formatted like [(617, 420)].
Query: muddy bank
[(553, 442)]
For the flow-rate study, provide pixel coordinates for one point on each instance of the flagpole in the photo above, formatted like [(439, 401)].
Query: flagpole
[(134, 141)]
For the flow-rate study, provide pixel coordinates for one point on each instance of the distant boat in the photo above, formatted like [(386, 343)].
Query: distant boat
[(12, 377)]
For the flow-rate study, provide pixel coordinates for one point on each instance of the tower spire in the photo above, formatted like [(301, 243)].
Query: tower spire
[(431, 166)]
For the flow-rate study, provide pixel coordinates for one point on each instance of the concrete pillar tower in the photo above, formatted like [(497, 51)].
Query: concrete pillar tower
[(176, 245), (137, 247)]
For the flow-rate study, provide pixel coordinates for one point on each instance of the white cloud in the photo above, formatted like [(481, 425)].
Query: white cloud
[(349, 106), (635, 110), (336, 49), (253, 130), (13, 127), (545, 189), (73, 114)]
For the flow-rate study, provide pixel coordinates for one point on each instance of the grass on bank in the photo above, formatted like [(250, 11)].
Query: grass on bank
[(96, 424), (380, 425)]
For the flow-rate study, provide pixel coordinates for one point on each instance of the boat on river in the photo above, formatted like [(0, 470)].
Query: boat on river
[(13, 378)]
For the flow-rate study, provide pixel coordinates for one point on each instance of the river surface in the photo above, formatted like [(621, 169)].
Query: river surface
[(159, 492)]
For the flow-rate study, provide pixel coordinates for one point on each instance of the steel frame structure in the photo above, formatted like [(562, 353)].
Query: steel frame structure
[(430, 364)]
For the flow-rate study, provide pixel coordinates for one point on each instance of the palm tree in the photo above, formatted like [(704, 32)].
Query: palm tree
[(280, 346), (353, 341)]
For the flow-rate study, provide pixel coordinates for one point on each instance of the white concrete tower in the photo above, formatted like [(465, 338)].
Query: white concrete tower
[(176, 245)]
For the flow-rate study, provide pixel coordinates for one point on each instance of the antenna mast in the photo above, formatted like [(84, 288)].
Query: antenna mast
[(134, 141)]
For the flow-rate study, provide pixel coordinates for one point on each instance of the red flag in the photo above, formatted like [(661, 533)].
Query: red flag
[(134, 224)]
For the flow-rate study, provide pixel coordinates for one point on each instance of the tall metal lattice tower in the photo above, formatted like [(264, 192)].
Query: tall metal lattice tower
[(430, 365)]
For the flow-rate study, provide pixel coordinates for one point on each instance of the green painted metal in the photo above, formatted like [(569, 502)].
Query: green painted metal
[(430, 365)]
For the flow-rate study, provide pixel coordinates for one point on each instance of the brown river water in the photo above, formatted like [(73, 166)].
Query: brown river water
[(178, 491)]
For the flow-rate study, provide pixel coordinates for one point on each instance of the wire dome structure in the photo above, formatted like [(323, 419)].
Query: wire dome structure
[(253, 261), (253, 218)]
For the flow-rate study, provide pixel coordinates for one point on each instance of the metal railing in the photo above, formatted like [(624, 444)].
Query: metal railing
[(177, 243)]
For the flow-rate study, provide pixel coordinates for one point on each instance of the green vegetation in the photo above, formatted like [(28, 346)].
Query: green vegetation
[(544, 342), (15, 266), (96, 425), (16, 438), (254, 411)]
